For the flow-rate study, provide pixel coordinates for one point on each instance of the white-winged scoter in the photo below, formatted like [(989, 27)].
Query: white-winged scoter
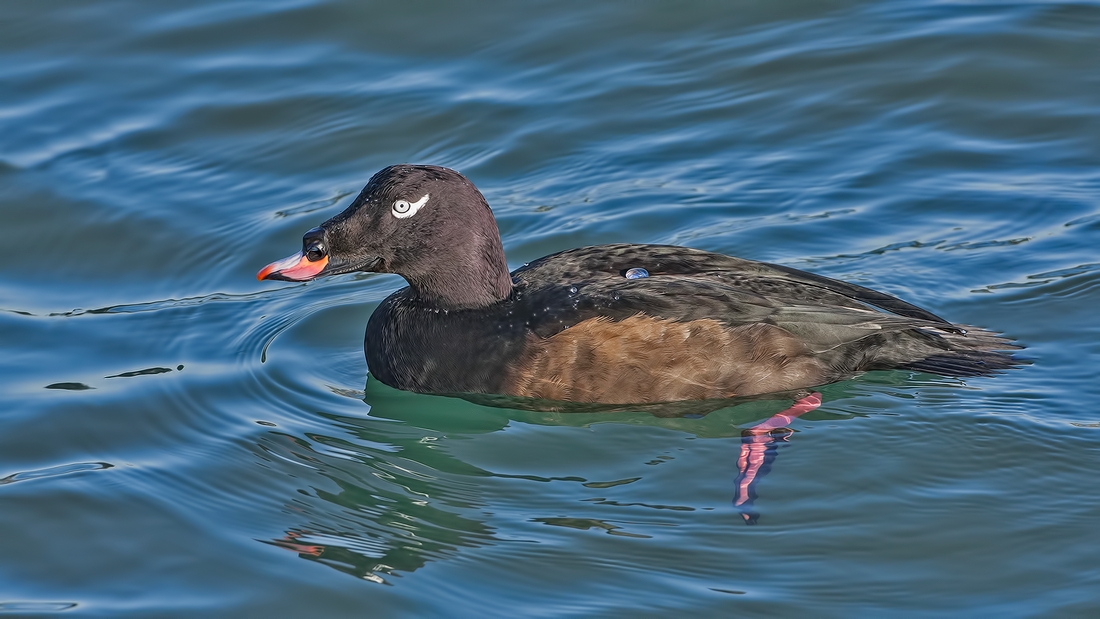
[(610, 324)]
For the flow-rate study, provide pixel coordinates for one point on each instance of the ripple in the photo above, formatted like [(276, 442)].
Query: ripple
[(1061, 282), (155, 306), (586, 524), (35, 607), (1089, 221), (313, 206), (146, 372), (604, 501), (55, 471), (969, 245), (610, 484), (69, 386)]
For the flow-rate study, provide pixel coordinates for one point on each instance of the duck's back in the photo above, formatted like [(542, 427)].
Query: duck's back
[(698, 325)]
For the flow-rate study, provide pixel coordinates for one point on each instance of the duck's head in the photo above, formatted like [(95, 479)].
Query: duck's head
[(426, 223)]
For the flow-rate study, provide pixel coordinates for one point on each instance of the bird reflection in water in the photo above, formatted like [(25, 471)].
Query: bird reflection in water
[(381, 544)]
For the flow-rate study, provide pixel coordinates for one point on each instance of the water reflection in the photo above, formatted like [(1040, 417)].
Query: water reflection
[(388, 497), (376, 506)]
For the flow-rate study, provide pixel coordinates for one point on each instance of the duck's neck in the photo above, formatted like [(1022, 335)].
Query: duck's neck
[(470, 276)]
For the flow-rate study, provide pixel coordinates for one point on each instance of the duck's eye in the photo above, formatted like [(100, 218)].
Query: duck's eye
[(315, 252), (404, 208)]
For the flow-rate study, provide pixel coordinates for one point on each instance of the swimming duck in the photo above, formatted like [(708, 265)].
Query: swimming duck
[(610, 324)]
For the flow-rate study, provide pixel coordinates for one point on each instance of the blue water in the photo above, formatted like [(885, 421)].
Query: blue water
[(177, 439)]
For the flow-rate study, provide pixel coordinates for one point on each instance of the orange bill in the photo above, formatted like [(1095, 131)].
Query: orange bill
[(295, 268)]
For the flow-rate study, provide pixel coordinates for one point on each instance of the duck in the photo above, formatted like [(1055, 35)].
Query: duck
[(607, 324)]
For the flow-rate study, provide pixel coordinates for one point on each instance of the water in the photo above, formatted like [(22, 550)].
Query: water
[(179, 439)]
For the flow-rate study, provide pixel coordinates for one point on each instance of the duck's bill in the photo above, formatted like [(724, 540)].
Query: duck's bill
[(296, 268)]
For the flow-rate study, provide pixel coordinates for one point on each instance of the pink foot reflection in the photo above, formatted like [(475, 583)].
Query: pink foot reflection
[(290, 542), (758, 449)]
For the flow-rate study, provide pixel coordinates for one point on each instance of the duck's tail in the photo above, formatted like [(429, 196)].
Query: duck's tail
[(972, 351)]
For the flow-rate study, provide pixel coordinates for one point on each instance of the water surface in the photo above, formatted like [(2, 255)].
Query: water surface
[(179, 439)]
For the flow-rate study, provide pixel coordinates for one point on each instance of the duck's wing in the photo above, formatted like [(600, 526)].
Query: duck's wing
[(824, 323), (605, 264), (833, 322)]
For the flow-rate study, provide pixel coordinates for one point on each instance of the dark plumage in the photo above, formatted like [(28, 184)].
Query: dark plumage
[(571, 327)]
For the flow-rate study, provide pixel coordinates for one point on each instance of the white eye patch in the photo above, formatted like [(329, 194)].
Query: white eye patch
[(404, 208)]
